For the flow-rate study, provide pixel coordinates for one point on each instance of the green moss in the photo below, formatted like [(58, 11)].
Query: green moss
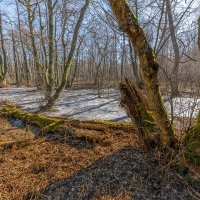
[(192, 144), (148, 119), (192, 180), (133, 16), (54, 127), (182, 169), (10, 144), (46, 123), (106, 122)]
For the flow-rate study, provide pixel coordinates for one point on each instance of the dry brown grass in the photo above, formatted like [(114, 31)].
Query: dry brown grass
[(27, 171), (9, 133)]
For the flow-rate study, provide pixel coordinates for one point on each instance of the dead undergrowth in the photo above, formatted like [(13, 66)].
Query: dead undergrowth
[(89, 160)]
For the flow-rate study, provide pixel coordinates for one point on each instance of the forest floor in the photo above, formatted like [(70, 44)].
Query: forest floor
[(82, 163)]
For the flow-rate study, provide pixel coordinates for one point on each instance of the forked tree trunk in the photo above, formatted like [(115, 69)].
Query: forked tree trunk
[(53, 98), (129, 24)]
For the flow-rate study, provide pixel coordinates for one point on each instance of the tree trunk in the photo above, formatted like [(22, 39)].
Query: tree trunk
[(174, 77), (129, 24), (192, 142), (25, 62), (50, 82), (122, 57), (4, 62), (67, 67), (40, 77), (43, 43), (76, 62), (199, 33), (15, 59), (137, 78), (136, 106)]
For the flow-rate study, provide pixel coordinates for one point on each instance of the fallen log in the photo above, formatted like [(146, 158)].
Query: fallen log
[(46, 124)]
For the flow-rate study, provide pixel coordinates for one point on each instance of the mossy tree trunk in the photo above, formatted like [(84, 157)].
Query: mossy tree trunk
[(192, 142), (136, 106), (53, 98), (46, 124), (192, 138), (129, 24)]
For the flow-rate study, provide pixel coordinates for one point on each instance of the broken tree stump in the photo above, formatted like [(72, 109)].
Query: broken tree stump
[(135, 103)]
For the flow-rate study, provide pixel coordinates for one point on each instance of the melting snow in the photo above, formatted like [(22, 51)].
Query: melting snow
[(84, 104)]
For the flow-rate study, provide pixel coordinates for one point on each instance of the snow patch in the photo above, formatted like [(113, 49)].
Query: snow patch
[(84, 104)]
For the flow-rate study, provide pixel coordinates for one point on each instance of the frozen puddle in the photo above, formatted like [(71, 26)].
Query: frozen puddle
[(84, 104)]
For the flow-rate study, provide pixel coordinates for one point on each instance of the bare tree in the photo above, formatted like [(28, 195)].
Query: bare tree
[(129, 24), (52, 99), (199, 33), (31, 8), (4, 65), (25, 62), (174, 77)]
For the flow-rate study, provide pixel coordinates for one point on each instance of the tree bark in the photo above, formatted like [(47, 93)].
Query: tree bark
[(199, 33), (40, 75), (136, 105), (4, 62), (138, 80), (15, 59), (67, 67), (25, 62), (129, 24), (50, 82), (174, 77)]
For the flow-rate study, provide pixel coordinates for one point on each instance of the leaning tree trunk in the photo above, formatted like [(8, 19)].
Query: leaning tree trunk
[(129, 24)]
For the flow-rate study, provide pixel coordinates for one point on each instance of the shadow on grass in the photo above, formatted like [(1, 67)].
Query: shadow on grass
[(70, 139), (135, 172)]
